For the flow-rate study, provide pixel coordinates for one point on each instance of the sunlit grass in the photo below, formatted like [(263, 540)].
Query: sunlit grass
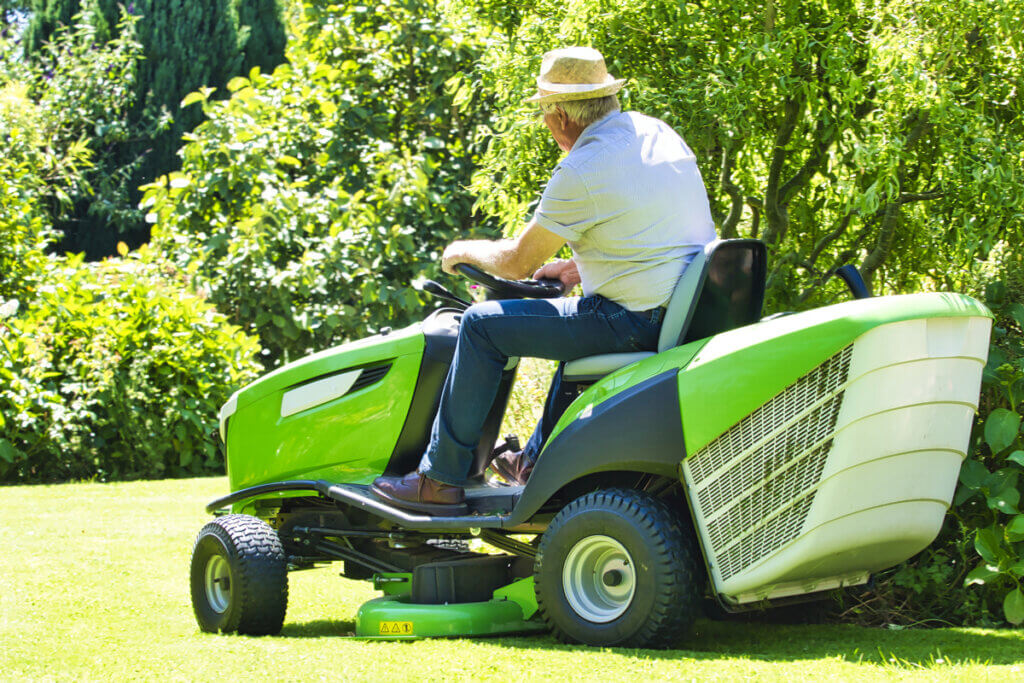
[(94, 585)]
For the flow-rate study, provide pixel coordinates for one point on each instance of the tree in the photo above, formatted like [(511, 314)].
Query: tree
[(857, 131), (185, 46)]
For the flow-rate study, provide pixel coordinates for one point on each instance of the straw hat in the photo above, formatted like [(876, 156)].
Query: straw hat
[(574, 73)]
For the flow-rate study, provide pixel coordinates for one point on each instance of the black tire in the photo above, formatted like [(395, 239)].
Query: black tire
[(239, 577), (649, 549)]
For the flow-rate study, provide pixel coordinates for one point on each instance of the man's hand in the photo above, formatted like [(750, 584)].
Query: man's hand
[(455, 253), (565, 270)]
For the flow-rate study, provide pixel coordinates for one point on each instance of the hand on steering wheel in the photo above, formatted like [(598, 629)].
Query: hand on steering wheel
[(513, 289)]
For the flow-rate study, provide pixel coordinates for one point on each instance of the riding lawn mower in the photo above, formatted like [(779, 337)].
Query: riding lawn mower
[(751, 460)]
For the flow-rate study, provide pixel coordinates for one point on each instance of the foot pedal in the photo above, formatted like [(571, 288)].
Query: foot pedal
[(511, 443)]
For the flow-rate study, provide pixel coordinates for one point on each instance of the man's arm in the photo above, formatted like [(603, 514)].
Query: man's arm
[(513, 259)]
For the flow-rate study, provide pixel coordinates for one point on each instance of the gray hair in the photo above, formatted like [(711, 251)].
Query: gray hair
[(584, 112)]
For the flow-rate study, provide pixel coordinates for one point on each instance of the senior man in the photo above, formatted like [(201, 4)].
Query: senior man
[(629, 201)]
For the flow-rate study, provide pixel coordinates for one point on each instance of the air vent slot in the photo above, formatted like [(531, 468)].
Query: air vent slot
[(370, 376)]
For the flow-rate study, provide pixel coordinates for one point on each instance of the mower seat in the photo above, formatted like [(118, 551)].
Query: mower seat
[(721, 289)]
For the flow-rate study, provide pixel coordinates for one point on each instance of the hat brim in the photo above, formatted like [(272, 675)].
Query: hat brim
[(551, 96)]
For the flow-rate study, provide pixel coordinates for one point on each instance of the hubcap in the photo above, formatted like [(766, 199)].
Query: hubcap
[(598, 578), (218, 584)]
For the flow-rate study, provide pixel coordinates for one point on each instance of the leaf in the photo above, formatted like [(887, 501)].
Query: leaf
[(1015, 529), (1006, 501), (1017, 457), (986, 542), (1001, 428), (234, 85), (981, 574), (122, 249), (192, 98), (1017, 313), (972, 474), (7, 451), (1013, 606)]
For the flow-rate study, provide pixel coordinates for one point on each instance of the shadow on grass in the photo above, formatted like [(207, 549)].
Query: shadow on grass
[(321, 628), (711, 640), (907, 648)]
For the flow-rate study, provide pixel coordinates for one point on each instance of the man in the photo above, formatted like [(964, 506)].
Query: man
[(629, 200)]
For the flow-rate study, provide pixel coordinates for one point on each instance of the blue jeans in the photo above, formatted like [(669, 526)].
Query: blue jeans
[(491, 332)]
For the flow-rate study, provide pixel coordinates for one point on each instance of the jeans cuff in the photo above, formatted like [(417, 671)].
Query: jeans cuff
[(443, 478)]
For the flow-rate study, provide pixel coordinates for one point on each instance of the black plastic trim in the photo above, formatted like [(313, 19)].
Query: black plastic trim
[(274, 487), (720, 280), (439, 341), (854, 281), (638, 430)]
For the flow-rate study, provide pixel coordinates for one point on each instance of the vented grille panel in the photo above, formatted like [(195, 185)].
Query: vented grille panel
[(370, 376), (802, 475), (770, 456), (765, 539), (754, 484), (806, 391)]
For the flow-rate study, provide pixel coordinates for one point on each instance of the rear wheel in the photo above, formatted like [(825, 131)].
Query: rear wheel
[(616, 567), (239, 577)]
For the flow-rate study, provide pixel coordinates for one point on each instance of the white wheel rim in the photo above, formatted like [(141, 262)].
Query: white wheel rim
[(599, 579), (218, 584)]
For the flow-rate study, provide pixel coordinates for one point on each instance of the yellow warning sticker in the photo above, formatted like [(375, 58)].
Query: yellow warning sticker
[(396, 628)]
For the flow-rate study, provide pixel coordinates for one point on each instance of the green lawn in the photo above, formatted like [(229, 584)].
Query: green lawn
[(95, 586)]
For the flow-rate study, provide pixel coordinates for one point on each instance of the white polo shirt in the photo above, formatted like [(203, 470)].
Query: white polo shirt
[(629, 200)]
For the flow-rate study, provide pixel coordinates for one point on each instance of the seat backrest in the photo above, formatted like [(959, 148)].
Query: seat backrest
[(721, 289)]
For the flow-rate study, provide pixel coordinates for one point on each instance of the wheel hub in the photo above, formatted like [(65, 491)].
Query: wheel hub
[(598, 578), (218, 584)]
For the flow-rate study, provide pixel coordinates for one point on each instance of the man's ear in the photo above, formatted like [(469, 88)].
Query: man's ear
[(563, 118)]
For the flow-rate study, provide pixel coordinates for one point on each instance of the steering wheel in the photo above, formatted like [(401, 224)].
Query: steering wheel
[(513, 289)]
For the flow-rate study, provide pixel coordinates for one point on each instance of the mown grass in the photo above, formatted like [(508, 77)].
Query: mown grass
[(95, 586)]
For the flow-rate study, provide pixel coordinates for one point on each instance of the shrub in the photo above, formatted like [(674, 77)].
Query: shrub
[(309, 202), (114, 371)]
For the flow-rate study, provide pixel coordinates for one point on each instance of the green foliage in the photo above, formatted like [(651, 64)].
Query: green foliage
[(24, 172), (85, 89), (859, 131), (45, 117), (114, 371), (988, 501), (181, 47), (309, 202)]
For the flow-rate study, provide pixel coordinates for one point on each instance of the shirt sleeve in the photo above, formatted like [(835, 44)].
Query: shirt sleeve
[(566, 207)]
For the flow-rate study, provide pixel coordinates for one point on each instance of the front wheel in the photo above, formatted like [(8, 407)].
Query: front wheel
[(616, 567), (239, 577)]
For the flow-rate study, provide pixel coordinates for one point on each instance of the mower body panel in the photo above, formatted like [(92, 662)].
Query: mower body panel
[(335, 415)]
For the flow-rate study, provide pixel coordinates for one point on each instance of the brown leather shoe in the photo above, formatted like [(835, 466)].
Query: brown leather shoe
[(415, 491), (513, 466)]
